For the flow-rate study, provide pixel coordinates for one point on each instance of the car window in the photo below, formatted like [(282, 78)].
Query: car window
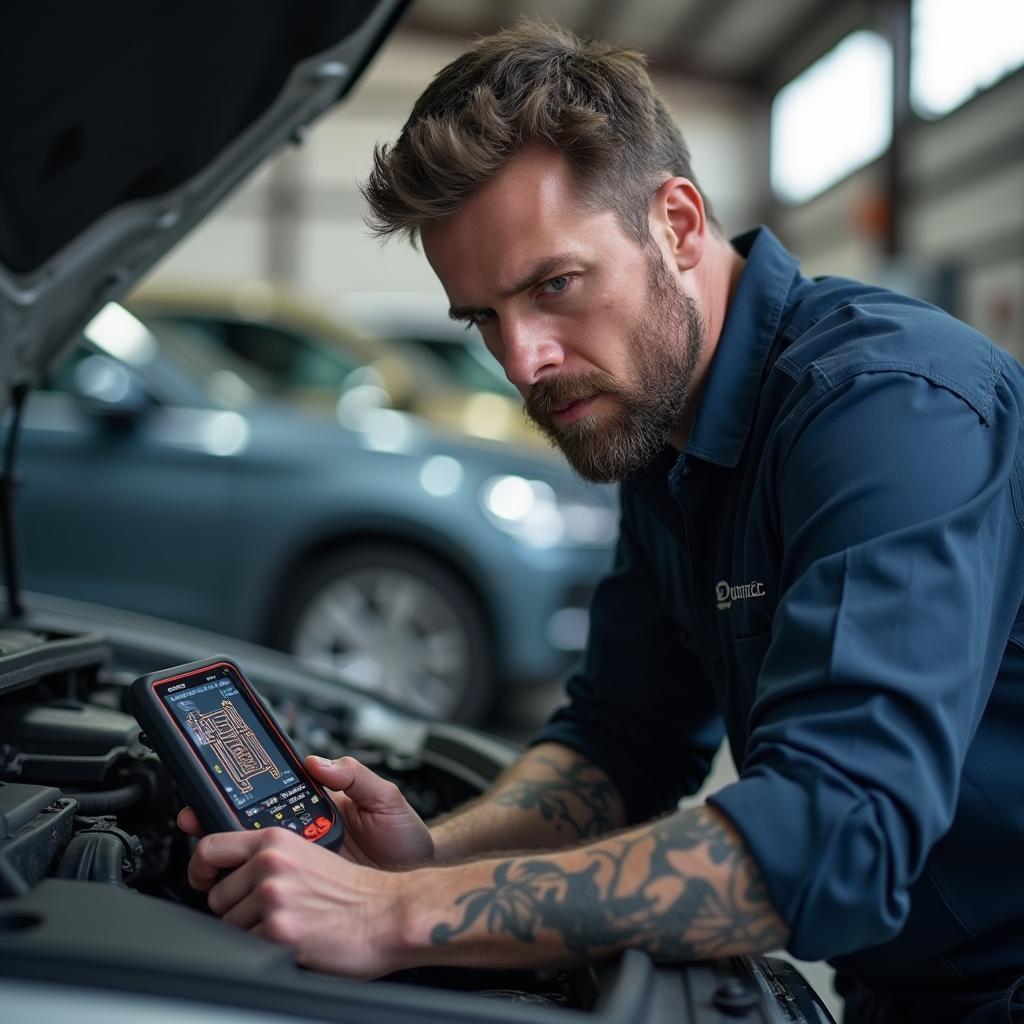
[(287, 360), (469, 367), (169, 378)]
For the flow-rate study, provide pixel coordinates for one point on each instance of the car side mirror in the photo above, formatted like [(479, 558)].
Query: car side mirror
[(107, 389)]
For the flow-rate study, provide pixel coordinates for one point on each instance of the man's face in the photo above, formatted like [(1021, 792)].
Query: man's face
[(590, 326)]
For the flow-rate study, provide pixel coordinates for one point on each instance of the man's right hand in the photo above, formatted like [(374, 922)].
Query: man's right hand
[(381, 829)]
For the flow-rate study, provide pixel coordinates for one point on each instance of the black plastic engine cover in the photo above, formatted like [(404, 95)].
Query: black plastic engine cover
[(66, 743), (35, 826)]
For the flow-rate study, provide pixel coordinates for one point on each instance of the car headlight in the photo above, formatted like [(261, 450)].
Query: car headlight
[(533, 513)]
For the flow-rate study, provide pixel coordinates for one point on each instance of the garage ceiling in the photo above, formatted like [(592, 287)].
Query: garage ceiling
[(755, 45)]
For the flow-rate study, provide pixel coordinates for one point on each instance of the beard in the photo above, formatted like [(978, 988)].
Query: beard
[(664, 350)]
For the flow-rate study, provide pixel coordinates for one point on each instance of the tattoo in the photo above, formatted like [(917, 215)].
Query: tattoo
[(578, 797), (632, 891)]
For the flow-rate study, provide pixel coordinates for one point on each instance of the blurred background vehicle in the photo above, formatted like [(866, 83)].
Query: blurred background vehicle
[(315, 356), (162, 476), (414, 322)]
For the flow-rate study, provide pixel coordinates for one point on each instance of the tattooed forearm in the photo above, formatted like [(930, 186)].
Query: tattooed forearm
[(683, 888), (576, 798)]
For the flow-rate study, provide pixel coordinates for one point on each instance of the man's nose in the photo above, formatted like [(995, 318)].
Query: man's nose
[(530, 352)]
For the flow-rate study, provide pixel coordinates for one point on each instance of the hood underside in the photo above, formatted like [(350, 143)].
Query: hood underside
[(124, 125)]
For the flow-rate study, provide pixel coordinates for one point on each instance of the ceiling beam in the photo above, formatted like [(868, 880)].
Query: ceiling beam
[(422, 19), (825, 24), (695, 24), (450, 31), (600, 18)]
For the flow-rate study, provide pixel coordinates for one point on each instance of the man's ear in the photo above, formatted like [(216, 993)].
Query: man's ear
[(678, 222)]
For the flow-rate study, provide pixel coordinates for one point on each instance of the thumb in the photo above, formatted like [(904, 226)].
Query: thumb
[(364, 788)]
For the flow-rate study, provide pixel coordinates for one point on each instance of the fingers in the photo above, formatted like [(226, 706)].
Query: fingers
[(188, 822), (248, 893), (246, 914), (229, 895), (219, 852), (369, 791)]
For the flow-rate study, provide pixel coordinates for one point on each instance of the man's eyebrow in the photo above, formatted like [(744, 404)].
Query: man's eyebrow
[(539, 273)]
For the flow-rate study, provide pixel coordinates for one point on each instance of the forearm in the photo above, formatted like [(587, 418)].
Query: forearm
[(681, 888), (550, 798)]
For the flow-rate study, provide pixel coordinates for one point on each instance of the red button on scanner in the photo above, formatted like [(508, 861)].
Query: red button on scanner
[(310, 832), (322, 825)]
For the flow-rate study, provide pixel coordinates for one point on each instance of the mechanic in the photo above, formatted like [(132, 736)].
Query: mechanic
[(821, 557)]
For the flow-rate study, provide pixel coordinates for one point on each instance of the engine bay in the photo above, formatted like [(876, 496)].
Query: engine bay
[(93, 888)]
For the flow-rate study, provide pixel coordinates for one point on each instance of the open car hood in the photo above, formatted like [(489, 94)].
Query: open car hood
[(125, 124)]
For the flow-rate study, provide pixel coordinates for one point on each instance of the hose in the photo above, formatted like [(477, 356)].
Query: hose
[(93, 857), (108, 801)]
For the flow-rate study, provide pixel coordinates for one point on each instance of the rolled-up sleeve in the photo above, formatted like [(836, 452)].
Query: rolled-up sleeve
[(901, 578), (641, 707)]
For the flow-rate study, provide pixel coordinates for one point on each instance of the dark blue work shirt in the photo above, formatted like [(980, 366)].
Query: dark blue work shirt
[(833, 568)]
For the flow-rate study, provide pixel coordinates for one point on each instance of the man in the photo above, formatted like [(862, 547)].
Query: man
[(821, 549)]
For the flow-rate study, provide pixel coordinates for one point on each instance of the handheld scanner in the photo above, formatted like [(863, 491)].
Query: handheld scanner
[(234, 765)]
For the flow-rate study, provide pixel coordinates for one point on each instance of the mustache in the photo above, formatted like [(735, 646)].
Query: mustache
[(551, 393)]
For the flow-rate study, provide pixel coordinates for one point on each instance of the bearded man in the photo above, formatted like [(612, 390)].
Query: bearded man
[(821, 557)]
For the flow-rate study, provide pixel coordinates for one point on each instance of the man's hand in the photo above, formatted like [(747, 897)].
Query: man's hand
[(681, 888), (381, 829), (336, 916)]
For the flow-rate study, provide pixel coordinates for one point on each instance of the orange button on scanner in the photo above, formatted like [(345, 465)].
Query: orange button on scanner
[(322, 825), (310, 832)]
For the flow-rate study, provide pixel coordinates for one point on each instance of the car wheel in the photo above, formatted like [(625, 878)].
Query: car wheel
[(397, 624)]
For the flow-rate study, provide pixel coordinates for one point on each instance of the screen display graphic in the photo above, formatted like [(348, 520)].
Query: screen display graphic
[(242, 756)]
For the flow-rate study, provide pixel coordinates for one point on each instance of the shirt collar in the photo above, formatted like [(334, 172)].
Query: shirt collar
[(727, 404)]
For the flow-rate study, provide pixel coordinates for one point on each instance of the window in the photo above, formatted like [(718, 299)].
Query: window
[(832, 118), (957, 49)]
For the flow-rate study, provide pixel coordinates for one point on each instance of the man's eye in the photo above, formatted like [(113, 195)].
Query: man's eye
[(480, 317), (557, 284)]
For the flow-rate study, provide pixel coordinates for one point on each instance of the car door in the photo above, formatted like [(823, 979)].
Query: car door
[(127, 506)]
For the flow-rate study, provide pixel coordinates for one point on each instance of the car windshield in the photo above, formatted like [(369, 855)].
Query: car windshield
[(281, 360), (472, 365), (229, 381), (179, 366)]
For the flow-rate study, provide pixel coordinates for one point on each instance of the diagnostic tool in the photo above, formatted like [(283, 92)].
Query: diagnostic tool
[(234, 765)]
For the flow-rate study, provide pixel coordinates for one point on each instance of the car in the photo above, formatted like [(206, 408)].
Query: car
[(428, 568), (312, 354), (417, 323), (97, 921)]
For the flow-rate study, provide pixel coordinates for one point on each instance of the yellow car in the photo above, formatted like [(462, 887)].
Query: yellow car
[(305, 353)]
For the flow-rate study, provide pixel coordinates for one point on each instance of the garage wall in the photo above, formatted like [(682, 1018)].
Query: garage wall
[(962, 218), (299, 220)]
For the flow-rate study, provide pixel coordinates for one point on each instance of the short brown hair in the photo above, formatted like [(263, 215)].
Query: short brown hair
[(527, 85)]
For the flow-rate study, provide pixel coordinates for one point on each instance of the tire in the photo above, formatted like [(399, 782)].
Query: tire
[(397, 624)]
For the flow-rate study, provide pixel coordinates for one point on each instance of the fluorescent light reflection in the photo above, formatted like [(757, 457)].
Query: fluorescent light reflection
[(118, 333), (225, 433), (385, 430), (441, 475)]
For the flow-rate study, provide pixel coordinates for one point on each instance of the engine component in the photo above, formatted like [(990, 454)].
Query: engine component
[(35, 825), (27, 656), (65, 742), (101, 853), (108, 801)]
